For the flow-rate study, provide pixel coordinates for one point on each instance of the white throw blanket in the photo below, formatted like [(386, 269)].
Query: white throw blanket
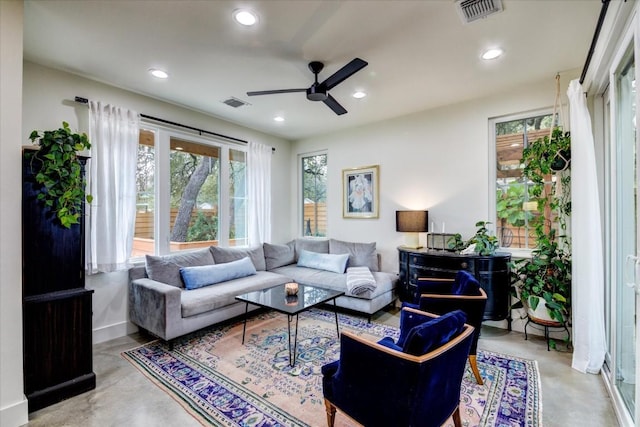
[(360, 280)]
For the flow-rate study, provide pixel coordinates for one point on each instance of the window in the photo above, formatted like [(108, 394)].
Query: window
[(314, 195), (191, 193), (515, 209)]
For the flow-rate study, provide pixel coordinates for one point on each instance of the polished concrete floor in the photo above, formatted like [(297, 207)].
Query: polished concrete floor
[(124, 397)]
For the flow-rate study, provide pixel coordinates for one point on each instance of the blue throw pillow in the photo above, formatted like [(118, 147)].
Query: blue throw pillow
[(408, 320), (328, 262), (435, 333), (198, 277)]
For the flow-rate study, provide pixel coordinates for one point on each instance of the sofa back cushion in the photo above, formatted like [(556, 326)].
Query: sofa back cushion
[(198, 277), (279, 255), (360, 254), (312, 245), (256, 254), (327, 262), (166, 268), (430, 335)]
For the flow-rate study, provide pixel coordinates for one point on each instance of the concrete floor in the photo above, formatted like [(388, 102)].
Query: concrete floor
[(125, 397)]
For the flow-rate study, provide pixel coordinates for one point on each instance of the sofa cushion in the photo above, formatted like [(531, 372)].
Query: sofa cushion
[(360, 254), (209, 298), (312, 245), (278, 255), (222, 255), (328, 262), (166, 268), (430, 335), (385, 282), (198, 277)]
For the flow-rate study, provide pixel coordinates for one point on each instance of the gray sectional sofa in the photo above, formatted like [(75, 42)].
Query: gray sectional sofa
[(162, 303)]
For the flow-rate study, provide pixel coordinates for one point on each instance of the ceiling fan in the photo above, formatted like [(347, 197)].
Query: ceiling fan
[(319, 91)]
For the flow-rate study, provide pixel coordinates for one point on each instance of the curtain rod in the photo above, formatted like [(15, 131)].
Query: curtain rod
[(200, 131), (603, 13)]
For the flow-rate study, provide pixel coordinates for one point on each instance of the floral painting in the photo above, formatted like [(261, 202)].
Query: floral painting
[(360, 192)]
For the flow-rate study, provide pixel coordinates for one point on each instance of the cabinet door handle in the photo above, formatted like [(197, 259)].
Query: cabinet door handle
[(464, 265)]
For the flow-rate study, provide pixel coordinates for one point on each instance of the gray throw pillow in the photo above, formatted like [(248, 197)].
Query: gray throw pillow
[(360, 254), (320, 246), (279, 255), (166, 268), (222, 255)]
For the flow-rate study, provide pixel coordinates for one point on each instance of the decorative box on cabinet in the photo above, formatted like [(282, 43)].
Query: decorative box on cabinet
[(491, 271), (56, 307)]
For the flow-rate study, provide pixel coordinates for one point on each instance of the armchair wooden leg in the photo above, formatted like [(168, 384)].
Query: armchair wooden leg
[(474, 368), (331, 413), (457, 422)]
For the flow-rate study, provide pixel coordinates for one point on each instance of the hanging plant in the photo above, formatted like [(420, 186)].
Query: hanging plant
[(59, 172)]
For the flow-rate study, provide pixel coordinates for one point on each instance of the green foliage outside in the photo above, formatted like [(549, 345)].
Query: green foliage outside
[(314, 183)]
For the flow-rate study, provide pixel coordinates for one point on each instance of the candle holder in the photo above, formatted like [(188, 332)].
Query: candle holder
[(291, 288)]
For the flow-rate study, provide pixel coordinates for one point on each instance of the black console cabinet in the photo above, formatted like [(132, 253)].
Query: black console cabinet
[(56, 307), (491, 271)]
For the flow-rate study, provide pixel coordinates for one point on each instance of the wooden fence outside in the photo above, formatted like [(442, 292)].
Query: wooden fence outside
[(309, 218)]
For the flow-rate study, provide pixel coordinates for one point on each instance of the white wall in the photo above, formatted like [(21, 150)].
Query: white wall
[(13, 404), (48, 100), (435, 160)]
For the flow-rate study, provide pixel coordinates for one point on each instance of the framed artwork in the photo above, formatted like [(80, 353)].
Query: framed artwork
[(360, 192)]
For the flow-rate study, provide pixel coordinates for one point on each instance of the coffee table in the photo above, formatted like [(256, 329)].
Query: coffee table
[(276, 299)]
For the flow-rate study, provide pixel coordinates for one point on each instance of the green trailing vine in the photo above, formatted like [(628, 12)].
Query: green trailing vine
[(547, 274), (59, 172)]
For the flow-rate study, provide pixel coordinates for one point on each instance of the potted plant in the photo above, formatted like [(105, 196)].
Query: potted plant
[(58, 170), (543, 282), (484, 243)]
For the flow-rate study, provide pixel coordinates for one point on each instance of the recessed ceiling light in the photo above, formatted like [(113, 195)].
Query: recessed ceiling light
[(179, 148), (359, 94), (278, 119), (492, 54), (245, 17), (158, 73)]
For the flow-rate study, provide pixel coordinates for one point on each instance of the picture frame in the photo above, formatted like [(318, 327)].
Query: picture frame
[(360, 192)]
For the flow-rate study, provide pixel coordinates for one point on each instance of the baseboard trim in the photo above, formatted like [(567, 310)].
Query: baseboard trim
[(15, 415), (116, 330)]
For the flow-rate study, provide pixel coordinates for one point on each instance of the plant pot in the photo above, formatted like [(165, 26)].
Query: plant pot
[(541, 314), (561, 161)]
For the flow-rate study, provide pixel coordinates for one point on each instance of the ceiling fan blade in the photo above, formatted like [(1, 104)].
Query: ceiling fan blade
[(344, 73), (271, 92), (334, 105)]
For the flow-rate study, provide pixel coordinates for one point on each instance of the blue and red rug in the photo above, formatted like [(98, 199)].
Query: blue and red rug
[(222, 382)]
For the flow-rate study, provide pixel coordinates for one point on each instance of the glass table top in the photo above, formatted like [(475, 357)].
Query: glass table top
[(277, 299)]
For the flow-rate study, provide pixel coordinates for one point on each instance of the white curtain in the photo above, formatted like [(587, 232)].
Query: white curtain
[(113, 134), (587, 288), (259, 189)]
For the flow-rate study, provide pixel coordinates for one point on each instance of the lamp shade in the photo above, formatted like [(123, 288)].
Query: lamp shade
[(412, 221)]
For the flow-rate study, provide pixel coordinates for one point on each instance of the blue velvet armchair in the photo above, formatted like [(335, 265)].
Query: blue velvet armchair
[(414, 382), (464, 293)]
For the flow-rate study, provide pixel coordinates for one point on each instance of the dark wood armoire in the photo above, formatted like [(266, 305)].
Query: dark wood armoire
[(57, 338)]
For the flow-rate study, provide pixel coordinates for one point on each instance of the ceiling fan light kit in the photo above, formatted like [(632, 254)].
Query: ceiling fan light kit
[(318, 91)]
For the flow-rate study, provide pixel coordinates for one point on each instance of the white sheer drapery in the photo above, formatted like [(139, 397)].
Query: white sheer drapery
[(113, 133), (259, 189), (587, 288)]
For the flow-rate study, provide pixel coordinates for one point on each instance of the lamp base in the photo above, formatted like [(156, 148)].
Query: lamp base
[(412, 240)]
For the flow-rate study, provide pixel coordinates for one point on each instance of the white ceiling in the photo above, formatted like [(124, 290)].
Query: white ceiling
[(420, 53)]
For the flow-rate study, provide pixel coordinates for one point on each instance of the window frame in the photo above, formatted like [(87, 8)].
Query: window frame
[(300, 209), (162, 184), (493, 177)]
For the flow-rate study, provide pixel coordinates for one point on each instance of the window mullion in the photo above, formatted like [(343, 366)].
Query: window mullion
[(224, 198), (162, 217)]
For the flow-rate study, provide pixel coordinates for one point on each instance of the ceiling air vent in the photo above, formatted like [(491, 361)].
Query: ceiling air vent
[(471, 10), (235, 102)]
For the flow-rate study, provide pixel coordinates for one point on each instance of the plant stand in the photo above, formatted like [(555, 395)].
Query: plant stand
[(547, 325)]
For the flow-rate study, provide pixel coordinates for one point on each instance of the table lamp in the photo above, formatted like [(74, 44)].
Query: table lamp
[(411, 223)]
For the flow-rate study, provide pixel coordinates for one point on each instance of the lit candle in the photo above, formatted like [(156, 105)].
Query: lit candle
[(433, 226), (442, 227)]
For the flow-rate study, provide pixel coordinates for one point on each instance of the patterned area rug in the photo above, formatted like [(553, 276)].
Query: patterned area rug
[(224, 383)]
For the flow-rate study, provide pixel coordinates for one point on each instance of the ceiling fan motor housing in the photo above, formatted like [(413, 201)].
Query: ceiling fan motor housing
[(316, 93)]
